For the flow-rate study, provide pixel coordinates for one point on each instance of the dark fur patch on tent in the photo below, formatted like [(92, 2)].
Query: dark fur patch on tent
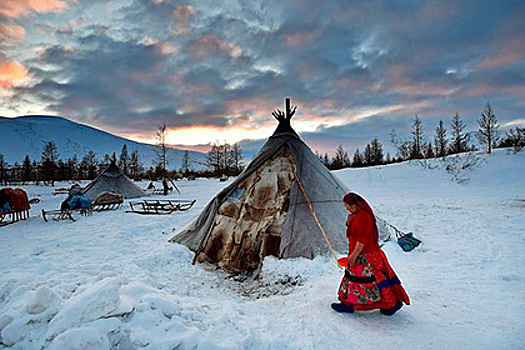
[(247, 229)]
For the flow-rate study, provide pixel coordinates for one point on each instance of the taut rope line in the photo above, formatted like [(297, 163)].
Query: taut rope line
[(315, 217)]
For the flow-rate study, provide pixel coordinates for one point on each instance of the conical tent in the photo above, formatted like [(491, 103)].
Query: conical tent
[(264, 212), (112, 180)]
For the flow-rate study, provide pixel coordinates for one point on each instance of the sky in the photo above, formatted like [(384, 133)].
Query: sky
[(213, 71)]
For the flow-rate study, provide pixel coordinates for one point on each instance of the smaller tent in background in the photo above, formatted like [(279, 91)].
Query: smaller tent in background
[(113, 180)]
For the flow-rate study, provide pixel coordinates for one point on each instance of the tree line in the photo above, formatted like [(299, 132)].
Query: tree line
[(445, 142), (51, 168), (221, 159)]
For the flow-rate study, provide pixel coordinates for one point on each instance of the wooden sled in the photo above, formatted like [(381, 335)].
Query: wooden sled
[(159, 206), (13, 216), (58, 215)]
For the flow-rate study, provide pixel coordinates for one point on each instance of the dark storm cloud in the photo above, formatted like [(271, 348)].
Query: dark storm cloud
[(201, 63)]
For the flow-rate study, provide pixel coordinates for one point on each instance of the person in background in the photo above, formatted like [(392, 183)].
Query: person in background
[(74, 190), (369, 281), (165, 186)]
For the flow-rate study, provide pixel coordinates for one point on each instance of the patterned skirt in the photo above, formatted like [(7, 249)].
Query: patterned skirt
[(371, 284)]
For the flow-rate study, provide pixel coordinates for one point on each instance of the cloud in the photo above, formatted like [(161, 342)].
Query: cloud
[(12, 32), (12, 74), (299, 38), (225, 66), (210, 44), (19, 8), (182, 12)]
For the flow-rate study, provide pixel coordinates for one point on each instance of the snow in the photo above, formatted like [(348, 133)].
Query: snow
[(111, 280)]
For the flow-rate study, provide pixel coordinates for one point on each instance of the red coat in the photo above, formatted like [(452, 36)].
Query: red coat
[(361, 230)]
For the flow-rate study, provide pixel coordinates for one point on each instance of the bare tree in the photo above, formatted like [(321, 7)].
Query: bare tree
[(358, 159), (123, 161), (488, 132), (49, 162), (3, 166), (402, 146), (514, 138), (27, 170), (186, 163), (236, 158), (440, 140), (340, 159), (88, 165), (376, 150), (417, 139), (459, 138), (135, 165), (162, 161)]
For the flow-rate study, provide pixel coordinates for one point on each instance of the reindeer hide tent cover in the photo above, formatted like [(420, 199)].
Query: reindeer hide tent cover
[(113, 180), (263, 212)]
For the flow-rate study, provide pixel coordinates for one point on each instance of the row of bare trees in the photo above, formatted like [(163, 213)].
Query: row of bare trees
[(445, 142)]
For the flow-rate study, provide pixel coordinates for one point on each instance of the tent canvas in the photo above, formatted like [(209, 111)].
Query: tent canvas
[(263, 212), (113, 180)]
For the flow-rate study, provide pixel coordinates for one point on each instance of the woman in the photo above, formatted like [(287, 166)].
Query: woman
[(369, 281)]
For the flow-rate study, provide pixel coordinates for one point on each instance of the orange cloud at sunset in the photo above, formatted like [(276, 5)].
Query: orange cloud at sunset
[(12, 74), (12, 32), (209, 43), (500, 60), (299, 38), (17, 8)]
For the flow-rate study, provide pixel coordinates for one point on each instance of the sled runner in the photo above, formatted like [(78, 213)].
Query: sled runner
[(107, 206), (159, 206), (107, 201), (58, 215)]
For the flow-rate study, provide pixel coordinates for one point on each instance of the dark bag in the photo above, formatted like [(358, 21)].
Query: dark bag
[(407, 241)]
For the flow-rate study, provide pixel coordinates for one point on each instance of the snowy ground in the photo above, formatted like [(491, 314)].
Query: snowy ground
[(112, 281)]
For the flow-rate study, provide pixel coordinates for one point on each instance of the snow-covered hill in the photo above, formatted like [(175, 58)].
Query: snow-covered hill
[(111, 280), (27, 135)]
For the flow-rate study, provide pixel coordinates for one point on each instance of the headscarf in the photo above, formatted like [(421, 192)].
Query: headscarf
[(353, 198)]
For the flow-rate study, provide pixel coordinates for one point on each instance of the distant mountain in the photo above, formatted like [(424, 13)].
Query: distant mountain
[(27, 135)]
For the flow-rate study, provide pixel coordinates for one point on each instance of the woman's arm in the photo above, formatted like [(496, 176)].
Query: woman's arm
[(357, 250)]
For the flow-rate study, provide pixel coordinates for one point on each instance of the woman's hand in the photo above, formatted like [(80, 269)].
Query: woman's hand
[(353, 256), (349, 219), (351, 260)]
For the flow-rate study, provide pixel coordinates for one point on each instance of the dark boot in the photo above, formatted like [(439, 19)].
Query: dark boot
[(340, 307), (393, 310)]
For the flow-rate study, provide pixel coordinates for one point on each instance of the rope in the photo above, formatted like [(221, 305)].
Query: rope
[(315, 217)]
